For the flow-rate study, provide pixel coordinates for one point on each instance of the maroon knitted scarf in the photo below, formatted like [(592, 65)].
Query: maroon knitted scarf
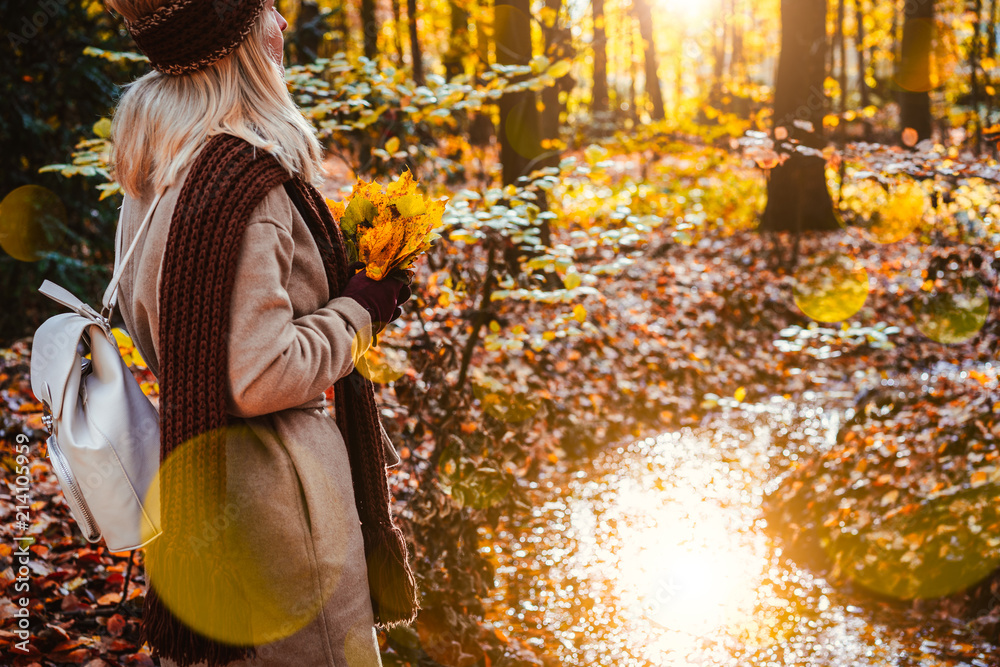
[(227, 181)]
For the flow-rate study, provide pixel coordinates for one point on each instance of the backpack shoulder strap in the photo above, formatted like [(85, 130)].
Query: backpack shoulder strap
[(111, 293)]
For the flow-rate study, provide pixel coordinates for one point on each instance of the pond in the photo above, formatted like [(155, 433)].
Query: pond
[(657, 553)]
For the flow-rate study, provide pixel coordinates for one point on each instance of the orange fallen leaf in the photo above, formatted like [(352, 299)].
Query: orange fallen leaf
[(109, 599), (116, 625)]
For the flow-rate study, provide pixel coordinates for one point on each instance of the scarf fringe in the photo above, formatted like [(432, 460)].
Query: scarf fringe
[(391, 583)]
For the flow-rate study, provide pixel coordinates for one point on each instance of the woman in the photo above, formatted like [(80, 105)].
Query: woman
[(278, 546)]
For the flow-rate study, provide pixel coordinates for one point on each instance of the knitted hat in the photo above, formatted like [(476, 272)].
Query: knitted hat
[(188, 35)]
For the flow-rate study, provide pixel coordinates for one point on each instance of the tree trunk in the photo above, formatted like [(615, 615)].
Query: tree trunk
[(975, 49), (397, 40), (633, 73), (557, 47), (679, 62), (653, 90), (914, 73), (415, 53), (481, 126), (736, 57), (558, 39), (842, 53), (991, 52), (369, 28), (798, 198), (519, 125), (341, 29), (308, 33), (718, 61), (859, 14), (599, 101), (458, 43), (897, 33)]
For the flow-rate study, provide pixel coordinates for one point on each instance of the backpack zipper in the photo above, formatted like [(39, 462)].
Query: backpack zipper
[(91, 531)]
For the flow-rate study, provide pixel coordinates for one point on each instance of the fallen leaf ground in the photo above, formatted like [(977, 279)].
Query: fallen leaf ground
[(902, 506)]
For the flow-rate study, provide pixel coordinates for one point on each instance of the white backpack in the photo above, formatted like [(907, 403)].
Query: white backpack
[(105, 433)]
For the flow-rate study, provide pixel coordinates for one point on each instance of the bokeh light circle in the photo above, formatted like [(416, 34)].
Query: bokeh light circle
[(863, 201), (920, 560), (522, 129), (501, 401), (905, 209), (32, 222), (885, 217), (383, 364), (831, 288), (360, 643), (521, 124), (954, 313), (256, 536)]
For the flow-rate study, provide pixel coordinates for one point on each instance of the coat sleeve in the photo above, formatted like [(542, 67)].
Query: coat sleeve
[(278, 361)]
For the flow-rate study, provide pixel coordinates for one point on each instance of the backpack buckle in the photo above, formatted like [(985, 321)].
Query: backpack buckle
[(47, 417)]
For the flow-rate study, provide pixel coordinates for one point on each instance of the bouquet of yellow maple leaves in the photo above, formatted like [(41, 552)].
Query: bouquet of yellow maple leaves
[(388, 227)]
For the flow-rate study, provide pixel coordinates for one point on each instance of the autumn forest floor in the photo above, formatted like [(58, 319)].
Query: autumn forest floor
[(900, 510)]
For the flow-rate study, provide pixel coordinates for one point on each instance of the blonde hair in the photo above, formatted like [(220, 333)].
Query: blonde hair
[(162, 121)]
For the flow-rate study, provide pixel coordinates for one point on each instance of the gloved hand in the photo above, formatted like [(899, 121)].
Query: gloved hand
[(381, 298)]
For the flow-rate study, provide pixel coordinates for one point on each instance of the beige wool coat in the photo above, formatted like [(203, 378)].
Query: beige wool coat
[(288, 343)]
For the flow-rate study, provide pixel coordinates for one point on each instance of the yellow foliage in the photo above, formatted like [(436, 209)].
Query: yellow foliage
[(102, 128), (127, 349), (402, 226), (337, 208)]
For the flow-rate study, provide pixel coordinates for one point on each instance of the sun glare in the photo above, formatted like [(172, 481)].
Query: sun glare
[(685, 567), (680, 567), (686, 9)]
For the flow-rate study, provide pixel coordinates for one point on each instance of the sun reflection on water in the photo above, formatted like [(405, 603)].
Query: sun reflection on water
[(681, 564), (690, 577), (657, 556)]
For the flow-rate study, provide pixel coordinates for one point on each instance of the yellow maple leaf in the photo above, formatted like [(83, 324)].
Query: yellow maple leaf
[(337, 208), (402, 228)]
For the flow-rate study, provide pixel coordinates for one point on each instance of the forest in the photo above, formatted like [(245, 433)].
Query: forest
[(701, 368)]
